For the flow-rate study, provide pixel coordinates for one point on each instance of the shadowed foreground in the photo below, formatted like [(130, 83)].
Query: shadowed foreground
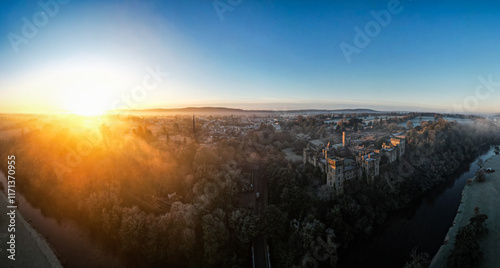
[(31, 249)]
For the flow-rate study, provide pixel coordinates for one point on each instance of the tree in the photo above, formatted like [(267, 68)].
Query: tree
[(103, 209), (133, 229), (206, 159), (467, 252), (243, 225), (418, 260), (215, 237), (409, 124), (480, 162), (276, 222), (179, 227), (476, 211), (481, 175)]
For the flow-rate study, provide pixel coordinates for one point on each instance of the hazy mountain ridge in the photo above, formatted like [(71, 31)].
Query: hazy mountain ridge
[(237, 110)]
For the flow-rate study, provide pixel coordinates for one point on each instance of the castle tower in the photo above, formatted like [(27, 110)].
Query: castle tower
[(335, 174), (343, 139)]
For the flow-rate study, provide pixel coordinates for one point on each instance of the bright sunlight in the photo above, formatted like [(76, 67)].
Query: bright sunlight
[(86, 103)]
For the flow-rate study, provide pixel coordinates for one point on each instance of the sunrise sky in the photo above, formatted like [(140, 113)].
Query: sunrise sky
[(268, 55)]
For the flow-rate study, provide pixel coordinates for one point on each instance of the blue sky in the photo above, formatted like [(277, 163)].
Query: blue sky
[(262, 55)]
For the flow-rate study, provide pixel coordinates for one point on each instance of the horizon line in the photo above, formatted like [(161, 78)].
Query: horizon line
[(361, 110)]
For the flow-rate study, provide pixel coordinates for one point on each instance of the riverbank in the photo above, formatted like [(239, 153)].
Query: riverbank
[(31, 248), (422, 225), (486, 196), (74, 245)]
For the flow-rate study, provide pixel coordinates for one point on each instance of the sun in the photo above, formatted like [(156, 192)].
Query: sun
[(88, 84), (87, 103)]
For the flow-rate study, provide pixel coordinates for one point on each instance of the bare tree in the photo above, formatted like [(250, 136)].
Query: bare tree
[(480, 162), (409, 124), (481, 175)]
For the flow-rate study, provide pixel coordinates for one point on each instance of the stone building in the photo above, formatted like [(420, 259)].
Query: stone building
[(394, 150), (352, 162), (399, 144)]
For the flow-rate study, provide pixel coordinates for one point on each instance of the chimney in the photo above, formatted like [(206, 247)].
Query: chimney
[(343, 138)]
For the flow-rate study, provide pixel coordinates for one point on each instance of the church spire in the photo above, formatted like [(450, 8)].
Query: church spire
[(194, 127)]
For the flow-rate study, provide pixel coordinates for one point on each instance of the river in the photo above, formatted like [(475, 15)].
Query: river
[(423, 225), (74, 246)]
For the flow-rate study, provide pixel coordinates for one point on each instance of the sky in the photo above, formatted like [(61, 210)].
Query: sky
[(73, 55)]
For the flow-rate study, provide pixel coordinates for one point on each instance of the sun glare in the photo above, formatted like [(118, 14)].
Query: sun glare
[(88, 85), (86, 103)]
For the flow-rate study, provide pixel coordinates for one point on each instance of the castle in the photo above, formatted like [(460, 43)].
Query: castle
[(342, 162), (394, 150)]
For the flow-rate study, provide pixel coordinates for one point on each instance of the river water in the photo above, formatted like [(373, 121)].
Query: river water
[(423, 225), (74, 246)]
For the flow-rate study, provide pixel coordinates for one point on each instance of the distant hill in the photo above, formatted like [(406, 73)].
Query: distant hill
[(356, 110), (241, 111), (189, 110)]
